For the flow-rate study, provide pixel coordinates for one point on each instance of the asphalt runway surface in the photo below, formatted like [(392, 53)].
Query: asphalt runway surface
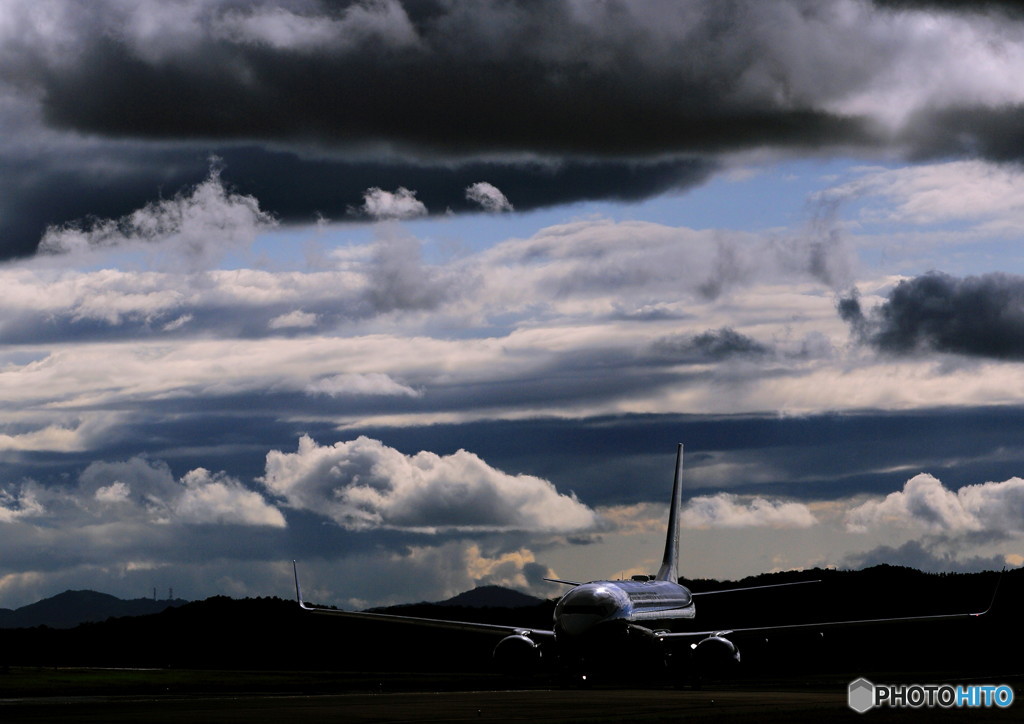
[(536, 706)]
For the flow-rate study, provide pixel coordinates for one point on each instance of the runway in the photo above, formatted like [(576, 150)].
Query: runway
[(535, 706)]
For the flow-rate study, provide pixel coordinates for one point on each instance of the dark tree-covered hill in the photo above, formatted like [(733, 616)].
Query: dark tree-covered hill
[(271, 633), (71, 608)]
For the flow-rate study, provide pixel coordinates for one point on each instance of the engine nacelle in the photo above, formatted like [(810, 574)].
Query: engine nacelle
[(715, 655), (518, 654)]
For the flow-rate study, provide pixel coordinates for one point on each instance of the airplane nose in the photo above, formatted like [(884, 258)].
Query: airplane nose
[(584, 607)]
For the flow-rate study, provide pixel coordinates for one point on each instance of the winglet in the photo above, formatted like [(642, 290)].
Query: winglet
[(669, 570), (995, 595), (298, 591)]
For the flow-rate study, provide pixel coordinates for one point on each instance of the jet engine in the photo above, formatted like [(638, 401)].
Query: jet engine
[(715, 655), (518, 654)]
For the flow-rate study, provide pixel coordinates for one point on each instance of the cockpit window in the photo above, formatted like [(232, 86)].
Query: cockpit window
[(593, 609)]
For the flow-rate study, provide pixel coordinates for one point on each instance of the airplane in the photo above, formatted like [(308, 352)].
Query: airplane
[(598, 622)]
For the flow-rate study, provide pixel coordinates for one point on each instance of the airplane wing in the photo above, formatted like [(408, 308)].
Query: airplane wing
[(565, 582), (810, 627), (748, 588), (489, 628), (704, 593), (830, 625)]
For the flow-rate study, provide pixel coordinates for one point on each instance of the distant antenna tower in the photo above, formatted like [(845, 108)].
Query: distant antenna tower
[(154, 593), (170, 594)]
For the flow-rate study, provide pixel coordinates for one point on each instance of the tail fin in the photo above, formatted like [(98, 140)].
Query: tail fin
[(669, 570)]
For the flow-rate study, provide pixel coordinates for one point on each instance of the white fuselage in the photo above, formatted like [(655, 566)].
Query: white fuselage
[(591, 606)]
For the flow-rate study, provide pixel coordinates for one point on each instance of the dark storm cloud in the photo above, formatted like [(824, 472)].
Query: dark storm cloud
[(487, 77), (43, 192), (1012, 7), (549, 102), (710, 346), (980, 316), (36, 192), (295, 186), (992, 133)]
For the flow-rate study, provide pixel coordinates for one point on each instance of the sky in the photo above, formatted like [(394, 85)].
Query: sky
[(424, 294)]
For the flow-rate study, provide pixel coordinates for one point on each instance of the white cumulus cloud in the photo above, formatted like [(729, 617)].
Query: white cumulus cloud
[(218, 498), (195, 227), (488, 196), (725, 510), (925, 503), (401, 204), (116, 492), (23, 502), (363, 484), (144, 490)]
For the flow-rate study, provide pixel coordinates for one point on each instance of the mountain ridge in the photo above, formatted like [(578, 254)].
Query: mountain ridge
[(72, 608), (491, 597)]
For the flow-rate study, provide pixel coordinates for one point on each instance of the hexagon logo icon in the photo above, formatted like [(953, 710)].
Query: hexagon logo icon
[(861, 695)]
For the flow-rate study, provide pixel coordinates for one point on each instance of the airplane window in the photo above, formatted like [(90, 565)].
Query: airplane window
[(594, 609)]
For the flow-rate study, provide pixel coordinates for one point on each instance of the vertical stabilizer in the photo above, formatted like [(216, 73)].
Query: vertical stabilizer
[(669, 570)]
